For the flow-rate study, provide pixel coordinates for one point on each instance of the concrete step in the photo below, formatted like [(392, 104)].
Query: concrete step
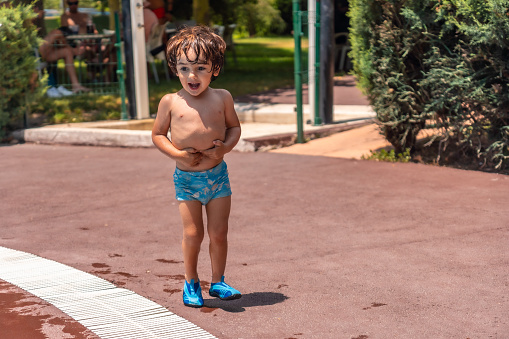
[(264, 126), (286, 113)]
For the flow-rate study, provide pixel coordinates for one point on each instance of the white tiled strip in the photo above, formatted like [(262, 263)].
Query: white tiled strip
[(108, 311)]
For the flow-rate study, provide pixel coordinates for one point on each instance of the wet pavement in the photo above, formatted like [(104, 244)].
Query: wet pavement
[(321, 247)]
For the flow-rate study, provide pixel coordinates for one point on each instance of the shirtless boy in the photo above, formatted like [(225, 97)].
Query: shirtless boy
[(204, 127)]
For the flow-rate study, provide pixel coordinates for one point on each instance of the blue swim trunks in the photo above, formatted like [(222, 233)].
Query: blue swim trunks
[(202, 186)]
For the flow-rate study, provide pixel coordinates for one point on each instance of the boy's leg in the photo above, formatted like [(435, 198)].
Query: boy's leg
[(218, 212), (192, 219)]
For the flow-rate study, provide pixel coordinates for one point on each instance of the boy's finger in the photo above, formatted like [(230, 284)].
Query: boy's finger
[(191, 150)]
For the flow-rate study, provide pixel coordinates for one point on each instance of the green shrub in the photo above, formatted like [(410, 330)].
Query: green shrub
[(79, 108), (390, 156), (443, 63), (18, 86)]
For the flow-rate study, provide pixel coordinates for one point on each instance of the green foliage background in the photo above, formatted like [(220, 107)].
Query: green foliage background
[(441, 64), (18, 41), (252, 17)]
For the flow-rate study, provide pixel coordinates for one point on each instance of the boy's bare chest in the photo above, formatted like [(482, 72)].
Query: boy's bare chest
[(197, 127), (204, 117)]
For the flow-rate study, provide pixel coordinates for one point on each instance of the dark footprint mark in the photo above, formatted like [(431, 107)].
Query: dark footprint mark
[(127, 275), (170, 291), (374, 305), (165, 261), (99, 265)]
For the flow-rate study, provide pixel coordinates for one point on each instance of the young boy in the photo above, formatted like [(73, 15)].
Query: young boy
[(204, 127)]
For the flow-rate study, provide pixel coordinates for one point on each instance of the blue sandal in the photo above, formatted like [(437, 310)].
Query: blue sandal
[(192, 294), (223, 291)]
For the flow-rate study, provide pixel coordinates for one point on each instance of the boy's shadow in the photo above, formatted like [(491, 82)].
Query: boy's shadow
[(247, 300)]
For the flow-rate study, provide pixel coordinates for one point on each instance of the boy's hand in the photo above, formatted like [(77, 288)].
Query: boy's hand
[(216, 152), (191, 156)]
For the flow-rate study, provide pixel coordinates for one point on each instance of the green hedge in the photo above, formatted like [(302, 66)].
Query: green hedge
[(18, 87), (441, 64)]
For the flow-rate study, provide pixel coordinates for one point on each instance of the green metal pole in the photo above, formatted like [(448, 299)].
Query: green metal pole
[(297, 33), (120, 69), (318, 120)]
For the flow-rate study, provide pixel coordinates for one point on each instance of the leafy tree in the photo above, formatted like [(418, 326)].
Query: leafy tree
[(285, 9), (261, 17), (439, 63), (18, 84), (37, 21), (226, 12)]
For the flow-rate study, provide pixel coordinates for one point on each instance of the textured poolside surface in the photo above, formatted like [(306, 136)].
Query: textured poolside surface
[(108, 311)]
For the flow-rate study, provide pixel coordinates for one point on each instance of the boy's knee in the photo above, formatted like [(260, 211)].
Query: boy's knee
[(218, 237), (193, 236)]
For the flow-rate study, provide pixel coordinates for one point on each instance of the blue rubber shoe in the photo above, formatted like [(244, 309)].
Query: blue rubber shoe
[(223, 291), (192, 294)]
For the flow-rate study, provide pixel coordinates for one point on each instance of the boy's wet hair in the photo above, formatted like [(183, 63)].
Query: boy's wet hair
[(202, 41)]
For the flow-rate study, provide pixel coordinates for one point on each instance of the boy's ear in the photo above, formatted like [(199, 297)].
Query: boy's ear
[(216, 72)]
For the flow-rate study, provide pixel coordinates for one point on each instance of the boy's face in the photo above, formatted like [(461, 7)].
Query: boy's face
[(194, 77)]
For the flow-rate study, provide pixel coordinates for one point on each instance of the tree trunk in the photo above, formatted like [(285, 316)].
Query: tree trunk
[(201, 12), (327, 61)]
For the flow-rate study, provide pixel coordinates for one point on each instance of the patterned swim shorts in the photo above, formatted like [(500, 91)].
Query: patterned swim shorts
[(202, 186)]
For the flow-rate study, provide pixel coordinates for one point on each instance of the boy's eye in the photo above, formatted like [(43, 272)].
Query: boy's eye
[(201, 68), (183, 69)]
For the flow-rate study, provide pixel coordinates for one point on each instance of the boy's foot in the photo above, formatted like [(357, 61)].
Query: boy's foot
[(192, 294), (224, 291)]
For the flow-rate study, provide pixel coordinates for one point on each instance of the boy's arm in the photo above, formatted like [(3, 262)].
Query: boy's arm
[(233, 130), (160, 136)]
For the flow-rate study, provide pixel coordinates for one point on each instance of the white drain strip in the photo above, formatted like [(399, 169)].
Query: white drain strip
[(108, 311)]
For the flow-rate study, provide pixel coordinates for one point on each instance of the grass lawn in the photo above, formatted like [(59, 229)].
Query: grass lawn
[(262, 64)]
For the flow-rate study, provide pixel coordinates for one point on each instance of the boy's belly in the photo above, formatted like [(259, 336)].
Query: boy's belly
[(198, 143), (198, 138), (205, 164)]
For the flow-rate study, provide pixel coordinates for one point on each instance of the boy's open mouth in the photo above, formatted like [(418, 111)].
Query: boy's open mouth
[(194, 86)]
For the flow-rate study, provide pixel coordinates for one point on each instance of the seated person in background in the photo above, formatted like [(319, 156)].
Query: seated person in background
[(158, 7), (54, 48), (72, 17), (149, 18), (96, 55)]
